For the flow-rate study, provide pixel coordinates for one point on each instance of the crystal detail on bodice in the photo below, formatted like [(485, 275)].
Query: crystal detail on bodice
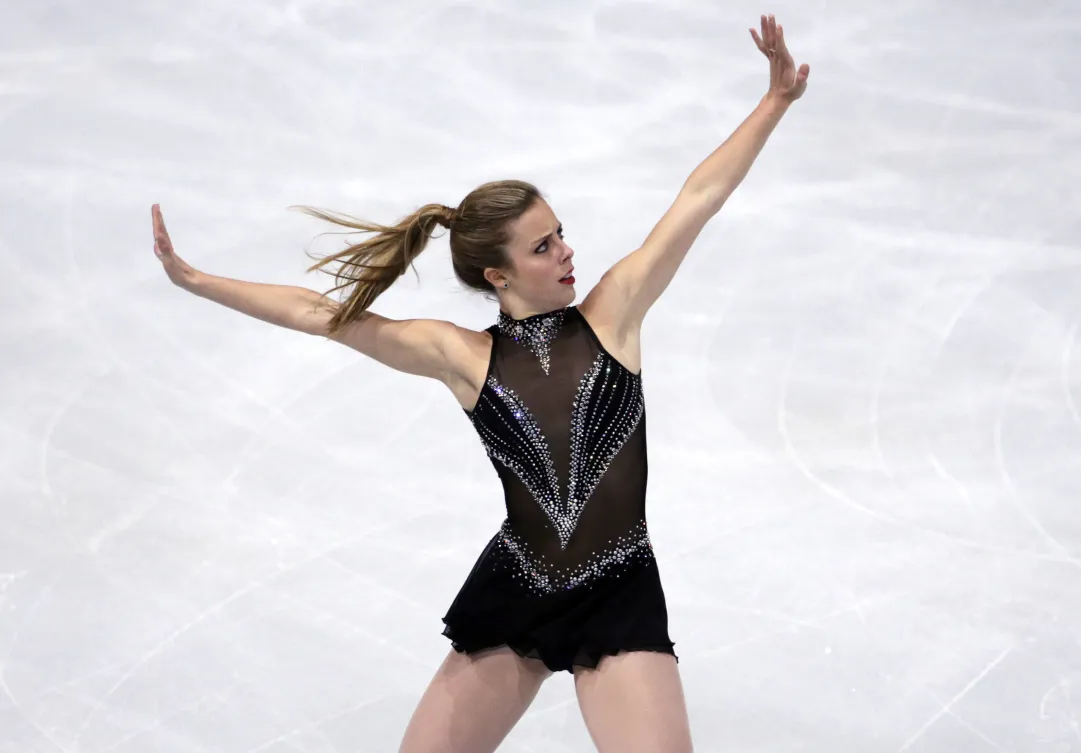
[(534, 333)]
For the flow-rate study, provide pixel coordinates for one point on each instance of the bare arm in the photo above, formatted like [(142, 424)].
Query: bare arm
[(424, 347), (413, 346), (627, 291), (642, 276), (286, 306)]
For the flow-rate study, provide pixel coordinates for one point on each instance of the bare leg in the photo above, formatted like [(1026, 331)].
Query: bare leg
[(633, 703), (473, 702)]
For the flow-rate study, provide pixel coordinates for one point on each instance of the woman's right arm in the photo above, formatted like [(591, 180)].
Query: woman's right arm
[(425, 347)]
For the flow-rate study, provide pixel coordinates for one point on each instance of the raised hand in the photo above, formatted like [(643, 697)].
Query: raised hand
[(785, 80), (179, 271)]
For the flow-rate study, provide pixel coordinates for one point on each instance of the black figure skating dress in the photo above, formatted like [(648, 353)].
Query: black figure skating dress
[(570, 577)]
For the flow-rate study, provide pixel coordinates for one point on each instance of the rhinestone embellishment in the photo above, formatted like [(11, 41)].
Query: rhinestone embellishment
[(534, 333), (517, 442), (634, 547), (606, 410), (608, 406)]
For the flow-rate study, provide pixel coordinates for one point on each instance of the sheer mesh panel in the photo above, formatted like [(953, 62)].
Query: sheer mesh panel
[(570, 577), (570, 449)]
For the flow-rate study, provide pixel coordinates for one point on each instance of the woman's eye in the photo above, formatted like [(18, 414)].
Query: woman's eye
[(544, 246)]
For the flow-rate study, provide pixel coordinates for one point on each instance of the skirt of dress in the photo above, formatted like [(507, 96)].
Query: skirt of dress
[(620, 611)]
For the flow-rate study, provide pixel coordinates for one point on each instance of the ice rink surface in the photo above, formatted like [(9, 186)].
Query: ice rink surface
[(863, 387)]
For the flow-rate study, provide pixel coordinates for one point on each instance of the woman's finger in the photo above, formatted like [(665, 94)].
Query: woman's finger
[(758, 41), (160, 232), (782, 48)]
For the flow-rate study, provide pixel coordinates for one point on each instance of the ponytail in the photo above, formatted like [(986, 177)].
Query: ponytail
[(373, 265), (480, 233)]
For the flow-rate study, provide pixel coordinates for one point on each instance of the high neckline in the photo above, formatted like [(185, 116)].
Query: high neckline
[(535, 332), (505, 318)]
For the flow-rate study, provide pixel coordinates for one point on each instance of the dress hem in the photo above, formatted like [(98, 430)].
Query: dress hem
[(586, 656)]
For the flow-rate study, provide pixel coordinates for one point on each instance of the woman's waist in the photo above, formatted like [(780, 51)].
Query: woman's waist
[(550, 546), (542, 561)]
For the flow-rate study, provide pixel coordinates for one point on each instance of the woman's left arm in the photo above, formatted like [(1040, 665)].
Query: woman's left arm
[(628, 290)]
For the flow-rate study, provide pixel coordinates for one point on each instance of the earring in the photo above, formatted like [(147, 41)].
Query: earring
[(506, 285)]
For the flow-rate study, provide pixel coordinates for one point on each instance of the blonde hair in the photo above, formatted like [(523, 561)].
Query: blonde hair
[(479, 233)]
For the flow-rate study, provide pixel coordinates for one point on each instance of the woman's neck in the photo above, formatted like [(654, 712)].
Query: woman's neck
[(518, 310)]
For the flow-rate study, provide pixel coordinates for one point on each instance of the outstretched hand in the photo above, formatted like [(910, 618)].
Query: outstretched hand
[(785, 80), (179, 271)]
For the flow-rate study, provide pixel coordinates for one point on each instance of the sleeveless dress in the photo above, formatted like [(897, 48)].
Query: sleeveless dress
[(570, 577)]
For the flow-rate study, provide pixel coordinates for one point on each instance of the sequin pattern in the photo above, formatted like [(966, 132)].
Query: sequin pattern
[(625, 551), (535, 333)]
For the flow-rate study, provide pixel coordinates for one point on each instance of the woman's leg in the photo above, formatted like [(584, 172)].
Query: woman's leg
[(633, 703), (473, 702)]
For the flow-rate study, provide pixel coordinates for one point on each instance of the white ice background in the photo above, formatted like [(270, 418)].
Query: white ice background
[(863, 387)]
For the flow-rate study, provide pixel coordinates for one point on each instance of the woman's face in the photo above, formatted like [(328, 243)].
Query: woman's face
[(540, 262)]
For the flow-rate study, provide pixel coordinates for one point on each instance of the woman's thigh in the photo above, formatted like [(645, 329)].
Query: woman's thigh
[(473, 702), (634, 703)]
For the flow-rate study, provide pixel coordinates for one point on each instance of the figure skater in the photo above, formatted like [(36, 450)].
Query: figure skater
[(554, 391)]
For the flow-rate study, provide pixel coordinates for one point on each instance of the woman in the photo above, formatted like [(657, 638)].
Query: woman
[(554, 392)]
